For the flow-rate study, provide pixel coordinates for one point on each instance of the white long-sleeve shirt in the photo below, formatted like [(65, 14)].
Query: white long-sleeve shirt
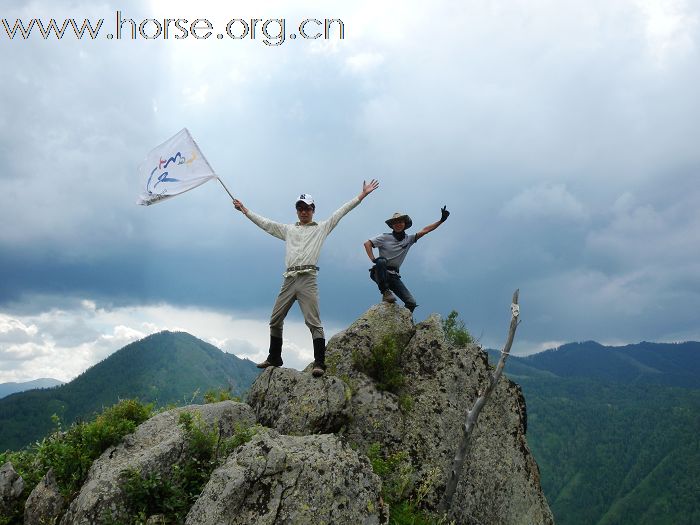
[(303, 242)]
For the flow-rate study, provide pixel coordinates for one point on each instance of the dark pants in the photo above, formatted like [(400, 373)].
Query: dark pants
[(391, 281)]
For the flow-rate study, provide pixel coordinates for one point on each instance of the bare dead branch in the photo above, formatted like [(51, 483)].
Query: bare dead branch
[(473, 413)]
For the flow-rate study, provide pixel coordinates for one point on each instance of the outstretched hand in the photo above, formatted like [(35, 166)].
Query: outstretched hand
[(368, 187), (239, 206), (444, 213)]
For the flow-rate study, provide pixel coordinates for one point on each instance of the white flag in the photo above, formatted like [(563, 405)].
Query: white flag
[(174, 167)]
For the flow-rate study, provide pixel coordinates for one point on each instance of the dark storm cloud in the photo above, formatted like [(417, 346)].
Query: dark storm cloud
[(562, 139)]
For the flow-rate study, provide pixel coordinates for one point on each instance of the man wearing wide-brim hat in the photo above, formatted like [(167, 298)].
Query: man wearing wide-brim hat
[(393, 248)]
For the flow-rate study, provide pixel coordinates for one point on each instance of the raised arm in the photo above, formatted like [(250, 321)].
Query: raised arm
[(430, 227), (333, 220), (368, 188), (273, 228)]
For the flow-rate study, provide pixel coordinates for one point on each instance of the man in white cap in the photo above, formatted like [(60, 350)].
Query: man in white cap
[(393, 248), (303, 246)]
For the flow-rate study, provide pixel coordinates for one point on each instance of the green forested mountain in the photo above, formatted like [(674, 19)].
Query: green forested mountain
[(614, 453), (614, 443), (671, 364), (163, 368)]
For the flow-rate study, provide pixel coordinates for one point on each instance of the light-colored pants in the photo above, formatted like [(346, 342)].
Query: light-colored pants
[(303, 288)]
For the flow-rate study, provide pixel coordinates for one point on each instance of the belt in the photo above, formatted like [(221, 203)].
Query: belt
[(303, 267), (389, 269)]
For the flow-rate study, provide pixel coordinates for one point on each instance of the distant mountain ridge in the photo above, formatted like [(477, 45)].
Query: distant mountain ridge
[(615, 430), (44, 382), (164, 368), (669, 364)]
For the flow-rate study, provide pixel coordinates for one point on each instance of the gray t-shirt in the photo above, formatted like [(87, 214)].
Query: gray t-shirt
[(394, 251)]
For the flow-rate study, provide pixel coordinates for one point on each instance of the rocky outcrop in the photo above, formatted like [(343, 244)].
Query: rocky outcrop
[(45, 504), (11, 487), (292, 403), (500, 482), (310, 464), (155, 447), (307, 480)]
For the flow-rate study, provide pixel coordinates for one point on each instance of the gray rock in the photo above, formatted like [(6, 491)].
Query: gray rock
[(379, 321), (297, 403), (45, 503), (11, 487), (375, 416), (154, 447), (303, 480), (500, 482)]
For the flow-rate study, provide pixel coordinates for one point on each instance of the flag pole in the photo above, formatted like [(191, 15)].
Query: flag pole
[(212, 170), (224, 185)]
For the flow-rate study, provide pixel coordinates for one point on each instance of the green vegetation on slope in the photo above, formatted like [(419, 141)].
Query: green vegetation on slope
[(164, 368), (612, 453), (70, 453)]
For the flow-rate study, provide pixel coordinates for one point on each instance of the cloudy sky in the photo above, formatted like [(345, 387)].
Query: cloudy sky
[(562, 135)]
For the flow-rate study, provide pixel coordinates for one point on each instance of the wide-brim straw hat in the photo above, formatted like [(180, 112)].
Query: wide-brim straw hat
[(398, 217)]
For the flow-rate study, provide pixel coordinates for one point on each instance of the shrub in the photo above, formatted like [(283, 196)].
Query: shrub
[(395, 471), (241, 435), (383, 364), (151, 494), (397, 474), (455, 332), (223, 394), (71, 452)]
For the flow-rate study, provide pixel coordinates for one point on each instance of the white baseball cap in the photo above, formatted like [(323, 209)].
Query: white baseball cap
[(306, 199)]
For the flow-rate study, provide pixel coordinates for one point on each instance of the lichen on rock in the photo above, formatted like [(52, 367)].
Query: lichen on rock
[(274, 478), (500, 483)]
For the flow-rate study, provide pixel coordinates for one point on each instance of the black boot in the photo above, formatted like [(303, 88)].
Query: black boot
[(319, 357), (274, 357)]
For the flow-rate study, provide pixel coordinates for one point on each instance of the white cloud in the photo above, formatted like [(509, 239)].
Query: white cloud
[(546, 201), (362, 63), (523, 348), (196, 95), (647, 235), (671, 28), (23, 352), (35, 346), (15, 331)]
